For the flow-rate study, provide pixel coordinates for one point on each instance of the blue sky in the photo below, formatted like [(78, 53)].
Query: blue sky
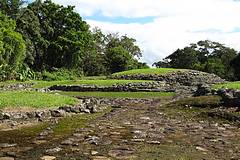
[(162, 26), (119, 20)]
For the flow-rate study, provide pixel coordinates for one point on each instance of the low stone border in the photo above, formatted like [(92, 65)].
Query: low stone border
[(129, 87), (186, 78)]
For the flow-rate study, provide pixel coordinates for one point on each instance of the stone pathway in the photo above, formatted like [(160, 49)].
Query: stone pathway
[(135, 131)]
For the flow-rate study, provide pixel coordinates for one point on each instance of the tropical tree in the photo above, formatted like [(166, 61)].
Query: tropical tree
[(12, 49), (207, 56)]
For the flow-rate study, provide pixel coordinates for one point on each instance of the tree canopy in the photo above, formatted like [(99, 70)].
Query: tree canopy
[(207, 56), (12, 48), (57, 38)]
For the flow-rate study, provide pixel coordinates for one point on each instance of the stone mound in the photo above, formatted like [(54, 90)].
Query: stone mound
[(186, 78)]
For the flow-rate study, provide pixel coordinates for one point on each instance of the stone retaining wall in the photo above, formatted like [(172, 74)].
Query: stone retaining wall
[(156, 86), (187, 78)]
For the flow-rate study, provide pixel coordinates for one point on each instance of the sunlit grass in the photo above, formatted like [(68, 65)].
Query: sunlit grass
[(230, 85), (18, 99), (120, 94), (160, 71)]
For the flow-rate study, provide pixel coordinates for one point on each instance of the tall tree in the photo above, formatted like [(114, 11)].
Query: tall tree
[(63, 37), (12, 48)]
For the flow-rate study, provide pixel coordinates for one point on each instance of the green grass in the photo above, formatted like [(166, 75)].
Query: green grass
[(17, 99), (230, 85), (160, 71), (119, 94)]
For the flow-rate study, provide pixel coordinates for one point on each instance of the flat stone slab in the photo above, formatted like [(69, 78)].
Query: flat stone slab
[(48, 158), (6, 158)]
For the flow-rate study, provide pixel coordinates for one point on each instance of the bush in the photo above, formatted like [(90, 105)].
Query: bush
[(61, 74), (25, 73)]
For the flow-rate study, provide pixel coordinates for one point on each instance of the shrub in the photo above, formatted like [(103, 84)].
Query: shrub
[(61, 74)]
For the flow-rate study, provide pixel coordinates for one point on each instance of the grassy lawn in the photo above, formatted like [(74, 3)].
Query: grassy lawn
[(230, 85), (17, 99), (160, 71), (119, 94)]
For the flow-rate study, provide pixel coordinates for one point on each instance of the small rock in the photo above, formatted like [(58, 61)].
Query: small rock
[(144, 118), (100, 158), (4, 116), (53, 150), (86, 110), (94, 152), (67, 142), (58, 113), (153, 142), (48, 158), (7, 145), (93, 140), (6, 158), (201, 149), (138, 140)]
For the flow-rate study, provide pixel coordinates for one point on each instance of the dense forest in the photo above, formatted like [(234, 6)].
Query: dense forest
[(46, 40), (207, 56)]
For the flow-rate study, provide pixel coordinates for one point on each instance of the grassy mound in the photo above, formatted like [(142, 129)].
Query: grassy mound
[(230, 85), (120, 94), (17, 99), (160, 71)]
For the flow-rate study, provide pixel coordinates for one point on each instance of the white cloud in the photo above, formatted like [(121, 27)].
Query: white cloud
[(177, 24)]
